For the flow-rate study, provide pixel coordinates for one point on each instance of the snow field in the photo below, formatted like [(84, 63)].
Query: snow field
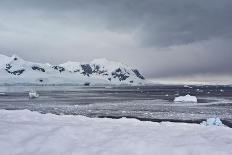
[(24, 132)]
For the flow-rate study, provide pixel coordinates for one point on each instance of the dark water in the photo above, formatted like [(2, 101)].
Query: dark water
[(149, 103)]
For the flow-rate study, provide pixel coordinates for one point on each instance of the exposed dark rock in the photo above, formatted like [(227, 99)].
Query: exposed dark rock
[(87, 70), (16, 72), (77, 70), (38, 68), (109, 79), (86, 83), (131, 81), (138, 74), (59, 68), (118, 70), (96, 69), (120, 74), (8, 66)]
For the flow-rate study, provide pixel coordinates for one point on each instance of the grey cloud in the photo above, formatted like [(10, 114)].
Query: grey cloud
[(160, 23), (160, 37), (207, 57)]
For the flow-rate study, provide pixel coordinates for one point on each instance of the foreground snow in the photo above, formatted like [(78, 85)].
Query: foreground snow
[(25, 132)]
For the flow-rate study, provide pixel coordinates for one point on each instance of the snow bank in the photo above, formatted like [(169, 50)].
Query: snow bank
[(212, 122), (24, 132), (186, 98)]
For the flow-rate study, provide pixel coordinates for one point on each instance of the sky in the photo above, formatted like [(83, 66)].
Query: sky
[(162, 38)]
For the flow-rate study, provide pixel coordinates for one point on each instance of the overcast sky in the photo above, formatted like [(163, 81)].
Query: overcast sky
[(162, 38)]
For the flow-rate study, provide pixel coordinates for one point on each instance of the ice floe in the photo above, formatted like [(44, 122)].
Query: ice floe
[(25, 132)]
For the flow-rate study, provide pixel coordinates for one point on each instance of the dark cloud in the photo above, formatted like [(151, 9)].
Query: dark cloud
[(162, 23), (162, 37), (206, 57)]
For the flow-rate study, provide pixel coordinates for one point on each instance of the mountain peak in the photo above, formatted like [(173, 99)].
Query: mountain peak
[(99, 71)]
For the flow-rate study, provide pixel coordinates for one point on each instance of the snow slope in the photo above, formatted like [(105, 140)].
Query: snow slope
[(24, 132), (15, 70)]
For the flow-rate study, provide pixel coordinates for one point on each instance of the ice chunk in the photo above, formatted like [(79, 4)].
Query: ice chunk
[(187, 98), (199, 90), (33, 94), (109, 87), (186, 86), (212, 122)]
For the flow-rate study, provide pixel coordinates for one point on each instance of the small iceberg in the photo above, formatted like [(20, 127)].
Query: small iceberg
[(33, 94), (109, 87), (212, 122), (2, 93), (187, 86), (187, 98)]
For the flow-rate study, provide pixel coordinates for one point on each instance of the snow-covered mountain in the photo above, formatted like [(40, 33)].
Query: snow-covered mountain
[(15, 70)]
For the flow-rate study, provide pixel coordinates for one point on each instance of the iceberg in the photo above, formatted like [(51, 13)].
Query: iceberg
[(187, 98), (33, 94), (212, 122)]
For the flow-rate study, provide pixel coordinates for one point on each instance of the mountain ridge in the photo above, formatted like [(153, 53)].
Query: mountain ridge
[(15, 70)]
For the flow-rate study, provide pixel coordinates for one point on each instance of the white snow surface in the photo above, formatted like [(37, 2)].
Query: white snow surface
[(24, 132), (72, 73), (186, 98)]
